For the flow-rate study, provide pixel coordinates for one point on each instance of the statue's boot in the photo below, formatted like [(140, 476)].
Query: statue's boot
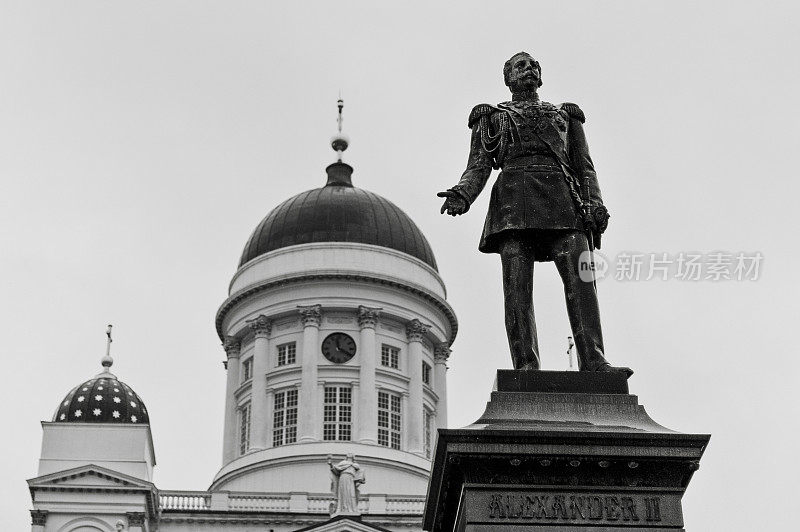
[(616, 369)]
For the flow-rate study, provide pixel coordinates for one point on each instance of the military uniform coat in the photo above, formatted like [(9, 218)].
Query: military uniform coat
[(544, 158)]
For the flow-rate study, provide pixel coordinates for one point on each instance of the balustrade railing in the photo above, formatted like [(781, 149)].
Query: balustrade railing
[(198, 501), (255, 502), (405, 505), (185, 500)]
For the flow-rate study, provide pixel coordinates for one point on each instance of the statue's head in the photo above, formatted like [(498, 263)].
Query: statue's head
[(351, 457), (522, 72)]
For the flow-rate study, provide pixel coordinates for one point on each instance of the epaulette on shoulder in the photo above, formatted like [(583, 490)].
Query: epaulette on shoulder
[(574, 111), (478, 111)]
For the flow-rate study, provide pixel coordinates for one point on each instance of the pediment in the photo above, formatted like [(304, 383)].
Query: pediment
[(343, 524), (90, 477)]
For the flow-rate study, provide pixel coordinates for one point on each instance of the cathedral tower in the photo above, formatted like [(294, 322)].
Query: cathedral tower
[(337, 333)]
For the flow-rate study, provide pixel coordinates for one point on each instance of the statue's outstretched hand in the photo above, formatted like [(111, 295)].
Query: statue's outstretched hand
[(454, 204)]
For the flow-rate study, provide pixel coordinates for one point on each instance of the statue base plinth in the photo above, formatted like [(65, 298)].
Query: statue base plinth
[(564, 451)]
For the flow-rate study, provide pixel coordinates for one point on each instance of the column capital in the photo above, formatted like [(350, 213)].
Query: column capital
[(261, 326), (310, 315), (368, 316), (416, 330), (135, 518), (232, 347), (39, 517), (441, 353)]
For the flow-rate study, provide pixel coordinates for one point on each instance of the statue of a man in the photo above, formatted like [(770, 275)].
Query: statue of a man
[(346, 477), (545, 206)]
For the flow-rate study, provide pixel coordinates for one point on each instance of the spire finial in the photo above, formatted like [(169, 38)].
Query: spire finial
[(340, 104), (107, 361), (340, 142)]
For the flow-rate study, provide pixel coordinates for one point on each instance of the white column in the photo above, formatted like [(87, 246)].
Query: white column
[(416, 331), (259, 409), (309, 428), (233, 350), (368, 394), (440, 356)]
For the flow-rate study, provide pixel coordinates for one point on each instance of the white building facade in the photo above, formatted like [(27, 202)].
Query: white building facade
[(336, 333)]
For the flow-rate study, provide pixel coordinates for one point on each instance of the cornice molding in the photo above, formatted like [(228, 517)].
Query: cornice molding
[(243, 294)]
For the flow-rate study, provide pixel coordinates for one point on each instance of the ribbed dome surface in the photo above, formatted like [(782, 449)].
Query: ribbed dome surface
[(338, 212), (102, 399)]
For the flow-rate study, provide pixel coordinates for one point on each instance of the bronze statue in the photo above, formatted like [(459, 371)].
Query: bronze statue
[(545, 206)]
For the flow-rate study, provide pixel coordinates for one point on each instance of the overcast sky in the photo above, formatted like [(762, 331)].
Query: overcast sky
[(141, 143)]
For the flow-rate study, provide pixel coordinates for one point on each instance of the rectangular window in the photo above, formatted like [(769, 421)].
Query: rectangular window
[(337, 416), (390, 356), (389, 420), (428, 419), (244, 428), (284, 418), (247, 369), (426, 373), (287, 354)]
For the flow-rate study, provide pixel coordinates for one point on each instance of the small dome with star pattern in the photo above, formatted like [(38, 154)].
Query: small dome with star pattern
[(102, 399)]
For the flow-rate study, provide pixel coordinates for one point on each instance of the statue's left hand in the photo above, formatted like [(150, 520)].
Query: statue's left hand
[(601, 217)]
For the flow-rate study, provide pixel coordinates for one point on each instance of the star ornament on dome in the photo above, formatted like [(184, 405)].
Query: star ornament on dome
[(78, 413), (96, 412), (98, 397), (117, 400), (115, 414), (133, 419)]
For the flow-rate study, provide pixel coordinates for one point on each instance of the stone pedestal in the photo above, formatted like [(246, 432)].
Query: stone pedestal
[(561, 451)]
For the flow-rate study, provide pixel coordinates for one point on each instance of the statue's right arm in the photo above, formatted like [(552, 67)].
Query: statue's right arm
[(479, 167)]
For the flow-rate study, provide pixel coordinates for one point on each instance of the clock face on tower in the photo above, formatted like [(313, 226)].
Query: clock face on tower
[(338, 347)]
